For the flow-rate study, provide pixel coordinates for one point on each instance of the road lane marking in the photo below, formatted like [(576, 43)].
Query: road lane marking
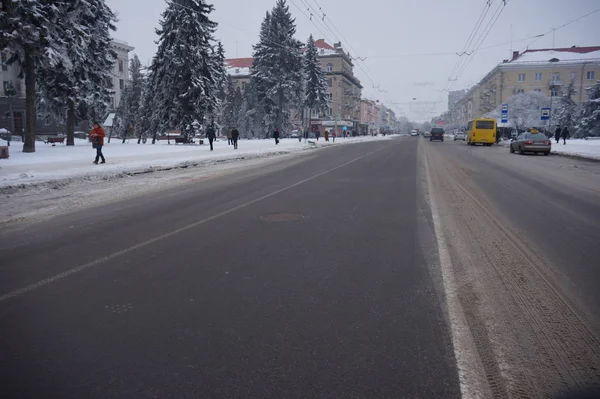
[(470, 379), (132, 248)]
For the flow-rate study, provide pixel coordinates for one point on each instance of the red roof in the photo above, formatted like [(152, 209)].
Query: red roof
[(579, 50), (321, 43), (239, 62)]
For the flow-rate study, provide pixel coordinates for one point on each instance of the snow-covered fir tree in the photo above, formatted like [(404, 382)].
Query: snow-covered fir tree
[(316, 96), (232, 104), (564, 109), (33, 31), (524, 110), (277, 69), (80, 85), (590, 113), (185, 72), (252, 114), (129, 110)]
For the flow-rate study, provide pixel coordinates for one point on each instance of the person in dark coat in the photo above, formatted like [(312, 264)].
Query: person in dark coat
[(211, 134), (235, 135), (557, 134), (565, 135), (276, 136)]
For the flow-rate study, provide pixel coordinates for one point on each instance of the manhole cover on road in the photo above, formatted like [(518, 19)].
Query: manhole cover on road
[(282, 217)]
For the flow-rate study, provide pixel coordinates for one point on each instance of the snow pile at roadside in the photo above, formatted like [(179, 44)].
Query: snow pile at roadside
[(578, 147), (59, 162)]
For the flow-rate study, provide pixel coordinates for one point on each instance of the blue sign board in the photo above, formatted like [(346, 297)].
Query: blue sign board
[(504, 109), (504, 118), (545, 114), (345, 128)]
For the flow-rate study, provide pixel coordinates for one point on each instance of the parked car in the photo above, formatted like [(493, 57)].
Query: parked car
[(437, 133), (460, 136), (531, 142)]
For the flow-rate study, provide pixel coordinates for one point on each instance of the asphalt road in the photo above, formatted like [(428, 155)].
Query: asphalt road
[(189, 293), (319, 276)]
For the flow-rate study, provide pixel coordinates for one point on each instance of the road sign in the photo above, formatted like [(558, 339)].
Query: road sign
[(338, 117), (505, 108), (345, 128), (545, 114), (504, 118)]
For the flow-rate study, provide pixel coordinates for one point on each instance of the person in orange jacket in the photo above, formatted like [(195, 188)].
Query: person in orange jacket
[(97, 137)]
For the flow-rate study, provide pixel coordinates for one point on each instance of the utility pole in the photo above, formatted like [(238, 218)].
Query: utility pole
[(553, 37)]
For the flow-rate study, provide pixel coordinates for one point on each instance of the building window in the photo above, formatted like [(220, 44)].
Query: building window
[(538, 76), (554, 92), (120, 65), (591, 75), (556, 76), (4, 59), (329, 68), (244, 85), (521, 77), (121, 84), (538, 90), (330, 111), (520, 91), (330, 96), (329, 82), (572, 76)]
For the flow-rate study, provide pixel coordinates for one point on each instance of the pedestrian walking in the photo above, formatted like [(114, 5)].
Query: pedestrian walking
[(229, 137), (276, 136), (565, 135), (333, 134), (211, 134), (326, 135), (97, 135), (557, 134), (235, 135), (317, 134)]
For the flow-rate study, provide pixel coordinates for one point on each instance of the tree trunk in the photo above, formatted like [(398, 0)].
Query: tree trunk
[(29, 139), (70, 122), (110, 133)]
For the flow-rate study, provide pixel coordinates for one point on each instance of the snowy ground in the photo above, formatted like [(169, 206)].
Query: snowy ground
[(59, 163), (578, 147)]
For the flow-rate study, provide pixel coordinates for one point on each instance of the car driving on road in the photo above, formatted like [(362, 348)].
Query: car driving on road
[(436, 133), (460, 136), (414, 132), (531, 142)]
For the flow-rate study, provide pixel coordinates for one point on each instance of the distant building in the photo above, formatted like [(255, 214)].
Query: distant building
[(120, 70), (344, 88), (12, 92), (547, 71), (370, 116)]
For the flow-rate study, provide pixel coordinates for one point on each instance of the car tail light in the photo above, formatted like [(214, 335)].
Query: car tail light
[(549, 143), (528, 142)]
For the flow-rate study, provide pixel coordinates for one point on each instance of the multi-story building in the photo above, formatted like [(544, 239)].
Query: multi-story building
[(344, 88), (120, 69), (370, 117), (12, 92), (547, 71)]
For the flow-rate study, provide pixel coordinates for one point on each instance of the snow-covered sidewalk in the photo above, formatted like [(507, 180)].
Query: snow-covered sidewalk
[(61, 162), (578, 147)]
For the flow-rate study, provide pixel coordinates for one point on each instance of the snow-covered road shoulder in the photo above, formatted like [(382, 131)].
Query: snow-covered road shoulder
[(62, 164), (580, 148)]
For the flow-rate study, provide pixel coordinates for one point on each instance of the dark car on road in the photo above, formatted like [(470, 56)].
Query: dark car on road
[(437, 134), (531, 142)]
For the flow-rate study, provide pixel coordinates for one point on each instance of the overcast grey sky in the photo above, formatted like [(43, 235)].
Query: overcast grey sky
[(391, 34)]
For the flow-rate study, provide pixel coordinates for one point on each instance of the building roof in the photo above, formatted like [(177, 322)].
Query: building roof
[(239, 62), (321, 43), (560, 54)]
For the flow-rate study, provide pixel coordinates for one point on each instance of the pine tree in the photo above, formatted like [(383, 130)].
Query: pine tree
[(186, 71), (564, 108), (277, 68), (129, 110), (32, 29), (590, 113), (316, 95), (82, 80)]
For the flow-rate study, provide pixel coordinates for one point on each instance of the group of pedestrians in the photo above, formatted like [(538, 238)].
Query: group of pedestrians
[(561, 133), (333, 134)]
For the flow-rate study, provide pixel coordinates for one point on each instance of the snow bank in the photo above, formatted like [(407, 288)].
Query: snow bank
[(60, 162), (578, 147)]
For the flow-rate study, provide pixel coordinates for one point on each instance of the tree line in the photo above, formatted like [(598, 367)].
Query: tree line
[(63, 50)]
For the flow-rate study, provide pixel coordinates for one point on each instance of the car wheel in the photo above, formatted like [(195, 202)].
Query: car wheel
[(512, 150), (521, 151), (547, 153)]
